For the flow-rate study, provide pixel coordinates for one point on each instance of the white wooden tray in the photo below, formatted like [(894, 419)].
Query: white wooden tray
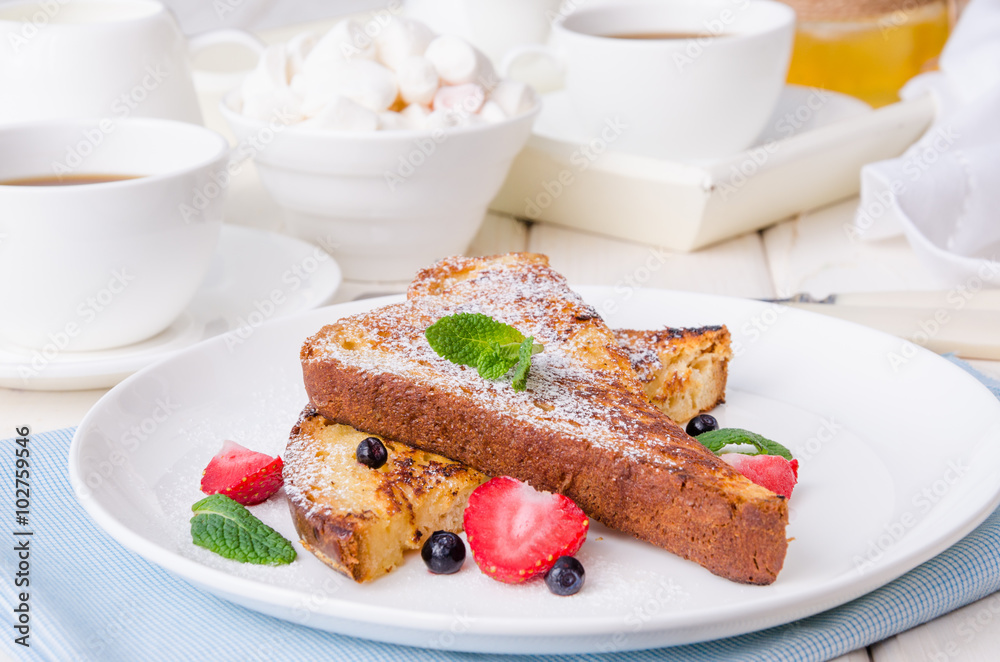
[(809, 155)]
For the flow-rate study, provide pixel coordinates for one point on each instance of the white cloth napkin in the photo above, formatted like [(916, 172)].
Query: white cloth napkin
[(944, 192)]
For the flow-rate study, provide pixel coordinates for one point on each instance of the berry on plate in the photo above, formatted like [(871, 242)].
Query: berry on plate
[(242, 474), (771, 471), (516, 532), (443, 552), (566, 576)]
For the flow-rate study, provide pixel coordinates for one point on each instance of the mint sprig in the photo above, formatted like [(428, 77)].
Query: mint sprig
[(483, 343), (716, 440), (227, 528)]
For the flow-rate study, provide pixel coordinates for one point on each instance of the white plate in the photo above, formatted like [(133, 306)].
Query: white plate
[(254, 276), (896, 465)]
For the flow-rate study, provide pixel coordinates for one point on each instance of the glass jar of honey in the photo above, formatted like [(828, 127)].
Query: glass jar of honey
[(867, 48)]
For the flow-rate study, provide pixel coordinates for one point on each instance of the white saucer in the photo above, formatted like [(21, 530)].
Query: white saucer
[(799, 110), (255, 276)]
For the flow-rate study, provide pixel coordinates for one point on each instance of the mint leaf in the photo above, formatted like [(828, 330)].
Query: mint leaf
[(227, 528), (481, 342), (524, 353), (464, 337), (716, 440), (496, 360)]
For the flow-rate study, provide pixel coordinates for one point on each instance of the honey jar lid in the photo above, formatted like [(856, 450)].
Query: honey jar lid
[(848, 10)]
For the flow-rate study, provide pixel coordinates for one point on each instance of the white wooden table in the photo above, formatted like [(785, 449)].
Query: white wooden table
[(811, 253)]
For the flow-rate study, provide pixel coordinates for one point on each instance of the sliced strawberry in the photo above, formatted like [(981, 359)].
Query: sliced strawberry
[(242, 474), (516, 532), (771, 471)]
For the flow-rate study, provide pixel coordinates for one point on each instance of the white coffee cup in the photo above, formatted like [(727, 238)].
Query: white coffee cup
[(92, 266), (492, 26), (677, 98), (99, 58)]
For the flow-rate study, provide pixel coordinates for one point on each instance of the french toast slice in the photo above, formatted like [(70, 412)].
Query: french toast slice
[(583, 427), (683, 371), (366, 544), (358, 520)]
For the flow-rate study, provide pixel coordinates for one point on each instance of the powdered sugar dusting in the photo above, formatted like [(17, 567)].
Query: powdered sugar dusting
[(580, 385)]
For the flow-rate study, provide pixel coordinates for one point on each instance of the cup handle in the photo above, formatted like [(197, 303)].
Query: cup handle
[(200, 42), (547, 52)]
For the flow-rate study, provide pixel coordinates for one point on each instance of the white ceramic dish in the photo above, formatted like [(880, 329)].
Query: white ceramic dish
[(121, 259), (810, 154), (895, 467), (678, 98), (248, 267), (392, 201)]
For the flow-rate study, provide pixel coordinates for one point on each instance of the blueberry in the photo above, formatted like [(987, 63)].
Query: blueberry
[(372, 453), (701, 423), (566, 576), (443, 552)]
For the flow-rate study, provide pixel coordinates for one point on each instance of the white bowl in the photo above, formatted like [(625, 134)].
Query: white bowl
[(93, 266), (384, 203)]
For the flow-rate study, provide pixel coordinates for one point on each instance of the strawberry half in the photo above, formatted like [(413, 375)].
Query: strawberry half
[(771, 471), (516, 532), (242, 474)]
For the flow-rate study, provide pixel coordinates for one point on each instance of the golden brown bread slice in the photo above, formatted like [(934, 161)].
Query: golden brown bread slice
[(683, 371), (359, 520), (583, 427), (337, 522)]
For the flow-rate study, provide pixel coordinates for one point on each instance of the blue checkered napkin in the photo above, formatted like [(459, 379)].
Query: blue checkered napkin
[(91, 599)]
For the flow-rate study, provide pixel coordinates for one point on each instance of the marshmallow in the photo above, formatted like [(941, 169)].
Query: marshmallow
[(460, 99), (513, 97), (298, 49), (270, 74), (415, 116), (344, 41), (417, 79), (363, 81), (401, 38), (458, 62), (280, 105), (342, 114), (389, 120), (492, 112), (353, 41), (441, 119)]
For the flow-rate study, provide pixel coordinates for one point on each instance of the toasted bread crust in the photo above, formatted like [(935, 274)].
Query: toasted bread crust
[(583, 428), (683, 371), (357, 520)]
